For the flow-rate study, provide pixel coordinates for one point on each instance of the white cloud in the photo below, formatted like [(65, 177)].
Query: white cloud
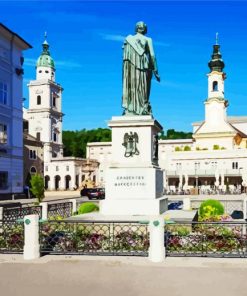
[(112, 37), (120, 38), (59, 63), (163, 44)]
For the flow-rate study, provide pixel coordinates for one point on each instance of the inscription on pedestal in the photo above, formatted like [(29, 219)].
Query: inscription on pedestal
[(129, 181)]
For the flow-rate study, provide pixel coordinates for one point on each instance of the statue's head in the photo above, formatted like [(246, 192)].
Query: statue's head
[(141, 27)]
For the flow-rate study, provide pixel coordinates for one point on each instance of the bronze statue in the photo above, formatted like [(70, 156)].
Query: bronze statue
[(139, 64)]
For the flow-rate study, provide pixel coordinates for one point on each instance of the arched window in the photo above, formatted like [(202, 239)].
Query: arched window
[(38, 100), (215, 86), (33, 170)]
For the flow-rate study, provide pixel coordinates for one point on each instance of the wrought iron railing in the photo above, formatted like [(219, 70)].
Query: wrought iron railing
[(13, 214), (63, 210), (11, 237), (94, 238), (206, 239)]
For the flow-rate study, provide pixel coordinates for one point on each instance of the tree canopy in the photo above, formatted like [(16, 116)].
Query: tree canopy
[(173, 135), (75, 142)]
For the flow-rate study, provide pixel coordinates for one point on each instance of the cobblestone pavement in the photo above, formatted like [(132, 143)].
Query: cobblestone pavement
[(93, 276)]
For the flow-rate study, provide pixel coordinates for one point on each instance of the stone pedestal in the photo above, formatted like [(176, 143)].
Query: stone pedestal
[(134, 181)]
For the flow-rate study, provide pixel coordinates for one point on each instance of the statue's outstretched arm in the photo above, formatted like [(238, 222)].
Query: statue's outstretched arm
[(153, 58)]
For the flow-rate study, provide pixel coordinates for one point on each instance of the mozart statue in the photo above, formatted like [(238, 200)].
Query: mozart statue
[(139, 64)]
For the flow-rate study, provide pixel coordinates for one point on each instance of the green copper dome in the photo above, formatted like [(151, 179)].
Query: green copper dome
[(45, 59)]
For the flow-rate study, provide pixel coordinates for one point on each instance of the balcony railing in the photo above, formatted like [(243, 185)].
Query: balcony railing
[(202, 173)]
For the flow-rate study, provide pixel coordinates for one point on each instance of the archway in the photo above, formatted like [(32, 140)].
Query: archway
[(57, 182), (47, 180), (67, 182)]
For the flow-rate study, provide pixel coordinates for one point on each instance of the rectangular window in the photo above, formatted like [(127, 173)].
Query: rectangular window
[(38, 136), (54, 102), (32, 154), (54, 137), (3, 180), (3, 134), (57, 168), (38, 100), (3, 93), (67, 168), (46, 168)]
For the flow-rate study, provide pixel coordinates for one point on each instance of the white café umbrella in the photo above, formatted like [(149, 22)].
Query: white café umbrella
[(217, 176), (244, 178), (222, 183), (186, 181), (180, 185)]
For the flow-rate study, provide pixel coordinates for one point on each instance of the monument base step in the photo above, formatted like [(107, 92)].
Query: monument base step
[(134, 207)]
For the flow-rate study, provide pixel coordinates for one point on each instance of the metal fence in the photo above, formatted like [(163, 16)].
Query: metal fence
[(206, 239), (94, 238), (12, 214), (63, 210), (11, 237)]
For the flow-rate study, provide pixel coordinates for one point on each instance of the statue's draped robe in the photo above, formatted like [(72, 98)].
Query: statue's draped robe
[(137, 74)]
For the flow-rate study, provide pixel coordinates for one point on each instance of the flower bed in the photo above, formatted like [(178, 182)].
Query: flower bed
[(92, 238)]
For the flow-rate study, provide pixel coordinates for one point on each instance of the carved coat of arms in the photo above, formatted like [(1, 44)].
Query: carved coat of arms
[(130, 144)]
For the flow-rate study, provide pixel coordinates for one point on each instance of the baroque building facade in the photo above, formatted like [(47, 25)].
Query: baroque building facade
[(11, 122), (215, 158)]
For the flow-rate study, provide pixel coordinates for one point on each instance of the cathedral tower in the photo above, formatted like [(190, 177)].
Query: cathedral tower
[(45, 106)]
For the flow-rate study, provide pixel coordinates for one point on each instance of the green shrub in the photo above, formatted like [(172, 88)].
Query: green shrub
[(187, 148), (223, 148), (177, 148), (216, 147), (87, 207), (37, 187), (198, 148), (210, 208)]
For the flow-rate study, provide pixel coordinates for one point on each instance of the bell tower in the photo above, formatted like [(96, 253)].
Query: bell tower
[(216, 105), (215, 130), (45, 106)]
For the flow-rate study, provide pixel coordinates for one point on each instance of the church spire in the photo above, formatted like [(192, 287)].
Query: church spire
[(216, 63), (45, 46)]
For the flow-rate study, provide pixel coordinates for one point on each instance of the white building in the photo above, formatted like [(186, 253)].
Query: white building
[(11, 123), (215, 157), (45, 118)]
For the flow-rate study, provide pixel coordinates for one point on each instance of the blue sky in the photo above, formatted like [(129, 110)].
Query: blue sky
[(86, 38)]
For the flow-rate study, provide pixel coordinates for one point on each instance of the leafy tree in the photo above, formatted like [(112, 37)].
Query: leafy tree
[(37, 187), (172, 134), (75, 142)]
